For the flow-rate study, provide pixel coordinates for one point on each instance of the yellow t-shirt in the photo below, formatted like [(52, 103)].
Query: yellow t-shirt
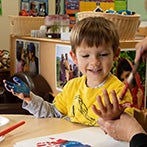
[(76, 99)]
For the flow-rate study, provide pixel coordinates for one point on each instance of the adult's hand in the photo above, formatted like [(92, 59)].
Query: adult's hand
[(122, 129), (141, 50)]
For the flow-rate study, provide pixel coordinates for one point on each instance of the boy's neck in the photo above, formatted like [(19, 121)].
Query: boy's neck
[(101, 84)]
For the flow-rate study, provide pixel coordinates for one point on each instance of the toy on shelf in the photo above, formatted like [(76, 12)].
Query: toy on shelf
[(98, 8)]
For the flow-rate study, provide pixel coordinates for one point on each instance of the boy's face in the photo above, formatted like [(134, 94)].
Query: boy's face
[(94, 62)]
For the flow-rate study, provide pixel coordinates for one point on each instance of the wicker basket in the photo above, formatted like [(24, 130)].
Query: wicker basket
[(127, 25), (22, 25)]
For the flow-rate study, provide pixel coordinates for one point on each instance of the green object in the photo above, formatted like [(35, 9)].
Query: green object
[(54, 28), (120, 5), (0, 7)]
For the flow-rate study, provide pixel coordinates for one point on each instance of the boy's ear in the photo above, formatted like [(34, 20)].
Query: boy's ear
[(116, 54), (74, 57)]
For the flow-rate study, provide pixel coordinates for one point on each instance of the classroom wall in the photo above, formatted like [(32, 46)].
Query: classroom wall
[(11, 7), (139, 7)]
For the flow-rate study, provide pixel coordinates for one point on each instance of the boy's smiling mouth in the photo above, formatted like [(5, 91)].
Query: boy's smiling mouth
[(94, 71)]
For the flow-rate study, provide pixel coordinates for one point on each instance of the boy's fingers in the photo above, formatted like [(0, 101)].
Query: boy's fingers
[(115, 100), (97, 111), (102, 108), (107, 100), (10, 83), (8, 88), (17, 80)]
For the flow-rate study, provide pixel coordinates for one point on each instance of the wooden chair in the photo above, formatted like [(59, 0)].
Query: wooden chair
[(12, 108), (9, 104)]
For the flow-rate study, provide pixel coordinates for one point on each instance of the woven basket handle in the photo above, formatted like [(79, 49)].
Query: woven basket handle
[(138, 25)]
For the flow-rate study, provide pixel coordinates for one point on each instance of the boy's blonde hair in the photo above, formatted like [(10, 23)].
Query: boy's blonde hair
[(94, 31)]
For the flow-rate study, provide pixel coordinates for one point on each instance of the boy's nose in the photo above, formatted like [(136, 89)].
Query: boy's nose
[(96, 61)]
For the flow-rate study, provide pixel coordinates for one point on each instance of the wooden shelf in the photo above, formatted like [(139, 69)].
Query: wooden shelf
[(47, 55)]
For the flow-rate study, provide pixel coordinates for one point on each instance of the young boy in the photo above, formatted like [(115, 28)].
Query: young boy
[(95, 45)]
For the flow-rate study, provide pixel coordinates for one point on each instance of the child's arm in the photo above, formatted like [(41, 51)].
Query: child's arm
[(108, 111), (34, 104), (19, 89)]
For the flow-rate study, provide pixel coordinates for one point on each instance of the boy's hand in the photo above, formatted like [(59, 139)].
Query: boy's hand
[(108, 111), (18, 87)]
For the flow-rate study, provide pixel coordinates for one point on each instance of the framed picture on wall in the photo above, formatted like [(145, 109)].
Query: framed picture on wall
[(65, 67), (34, 7), (122, 69), (27, 56)]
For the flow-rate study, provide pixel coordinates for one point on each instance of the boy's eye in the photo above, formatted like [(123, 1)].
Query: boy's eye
[(85, 56), (104, 54)]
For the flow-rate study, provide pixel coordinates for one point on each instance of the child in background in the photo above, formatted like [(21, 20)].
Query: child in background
[(95, 45), (123, 69)]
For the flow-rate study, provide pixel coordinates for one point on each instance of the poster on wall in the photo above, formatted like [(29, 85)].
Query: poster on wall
[(34, 7), (122, 69), (65, 67), (27, 56), (0, 7)]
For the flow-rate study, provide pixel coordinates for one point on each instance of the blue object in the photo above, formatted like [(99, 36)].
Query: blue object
[(31, 47), (110, 11), (126, 12), (18, 87), (74, 144)]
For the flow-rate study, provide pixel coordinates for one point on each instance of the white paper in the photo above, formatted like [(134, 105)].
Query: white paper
[(93, 136), (3, 120)]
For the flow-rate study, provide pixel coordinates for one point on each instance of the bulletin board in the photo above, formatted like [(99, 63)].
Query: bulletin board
[(91, 5)]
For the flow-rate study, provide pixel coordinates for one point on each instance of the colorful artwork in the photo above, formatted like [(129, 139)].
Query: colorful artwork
[(27, 56), (34, 7), (72, 6), (65, 68), (61, 143)]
